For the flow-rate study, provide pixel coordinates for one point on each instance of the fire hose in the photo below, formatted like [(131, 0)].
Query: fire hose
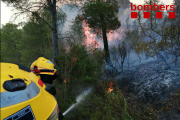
[(78, 100)]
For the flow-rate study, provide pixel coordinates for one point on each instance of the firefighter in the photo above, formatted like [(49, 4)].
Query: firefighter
[(44, 68), (46, 71)]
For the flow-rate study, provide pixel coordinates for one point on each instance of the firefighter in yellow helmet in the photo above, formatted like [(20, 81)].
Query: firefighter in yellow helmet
[(46, 71), (44, 68)]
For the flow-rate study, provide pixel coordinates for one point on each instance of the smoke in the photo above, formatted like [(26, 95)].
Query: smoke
[(113, 37), (118, 35), (71, 12)]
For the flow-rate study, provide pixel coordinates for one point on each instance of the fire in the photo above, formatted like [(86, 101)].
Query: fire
[(91, 40), (110, 87), (119, 34), (65, 81)]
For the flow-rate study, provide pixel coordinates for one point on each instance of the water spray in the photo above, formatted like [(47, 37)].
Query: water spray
[(78, 99)]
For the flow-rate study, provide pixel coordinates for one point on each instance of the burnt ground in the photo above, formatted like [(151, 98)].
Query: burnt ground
[(154, 84)]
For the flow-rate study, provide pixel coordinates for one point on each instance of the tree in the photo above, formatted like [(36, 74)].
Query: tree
[(122, 49), (162, 36), (36, 40), (133, 34), (34, 7), (77, 31), (10, 39), (101, 16)]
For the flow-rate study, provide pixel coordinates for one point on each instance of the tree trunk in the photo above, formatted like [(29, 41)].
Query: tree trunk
[(105, 41), (52, 8)]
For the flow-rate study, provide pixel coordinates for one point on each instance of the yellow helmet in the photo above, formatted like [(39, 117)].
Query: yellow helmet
[(43, 66)]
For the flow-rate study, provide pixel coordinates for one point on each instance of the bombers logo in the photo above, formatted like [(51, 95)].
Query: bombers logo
[(153, 7)]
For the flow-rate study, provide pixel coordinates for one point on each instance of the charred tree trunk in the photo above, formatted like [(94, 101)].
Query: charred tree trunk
[(105, 41), (52, 8)]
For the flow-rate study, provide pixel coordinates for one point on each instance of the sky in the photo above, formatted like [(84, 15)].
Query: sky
[(7, 12)]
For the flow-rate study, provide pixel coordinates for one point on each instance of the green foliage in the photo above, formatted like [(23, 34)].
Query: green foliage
[(88, 79), (11, 37), (28, 7), (77, 31), (76, 69), (64, 95), (25, 45), (37, 41), (113, 106), (100, 15), (109, 107), (78, 65)]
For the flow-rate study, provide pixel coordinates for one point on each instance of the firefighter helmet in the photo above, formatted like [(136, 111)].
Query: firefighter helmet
[(43, 66), (45, 69)]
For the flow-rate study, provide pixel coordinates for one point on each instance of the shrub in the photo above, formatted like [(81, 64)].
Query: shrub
[(76, 69), (113, 106), (78, 65), (103, 105)]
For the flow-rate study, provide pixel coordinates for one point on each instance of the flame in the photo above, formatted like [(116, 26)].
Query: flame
[(110, 87), (109, 90), (91, 40), (65, 81), (112, 36)]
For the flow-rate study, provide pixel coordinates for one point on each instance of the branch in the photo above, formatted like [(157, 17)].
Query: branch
[(49, 3), (27, 10), (143, 30)]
